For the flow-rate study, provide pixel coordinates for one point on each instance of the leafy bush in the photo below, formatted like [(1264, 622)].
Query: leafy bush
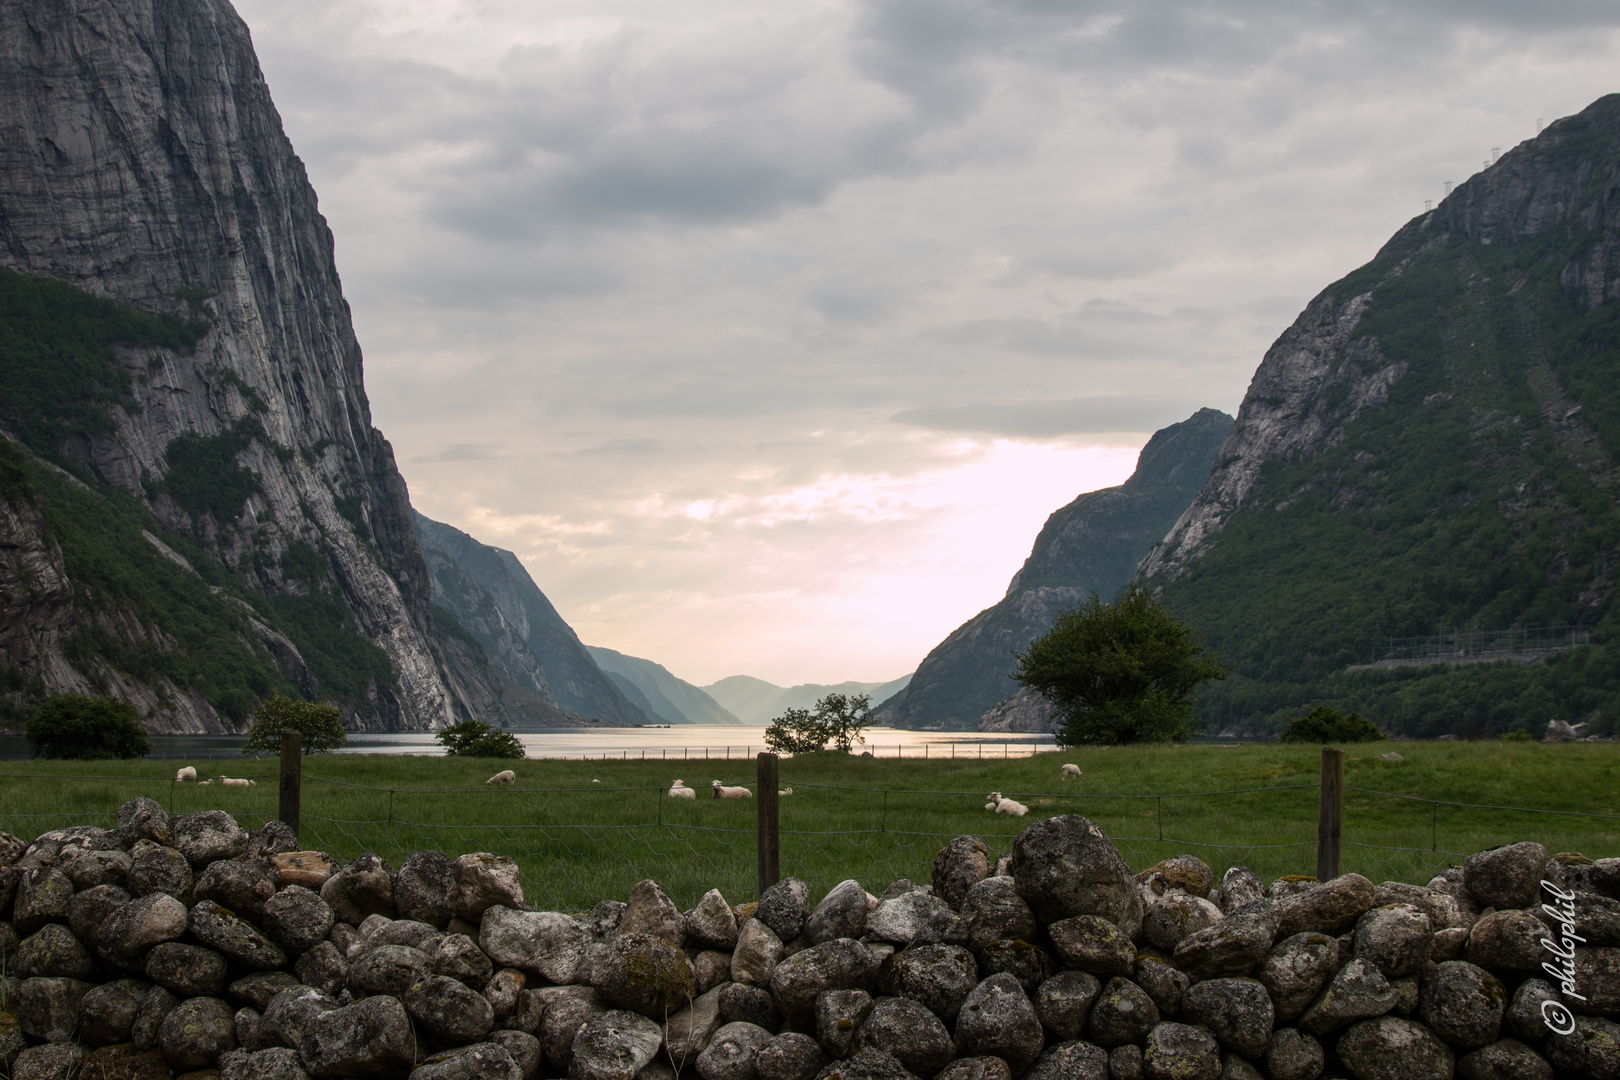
[(320, 724), (1514, 736), (1325, 724), (471, 738), (72, 726)]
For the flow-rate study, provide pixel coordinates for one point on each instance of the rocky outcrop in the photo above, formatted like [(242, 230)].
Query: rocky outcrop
[(1091, 545)]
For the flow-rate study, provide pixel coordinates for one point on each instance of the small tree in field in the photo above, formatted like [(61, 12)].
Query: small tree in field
[(472, 738), (320, 724), (1325, 724), (73, 726), (837, 718), (1118, 673)]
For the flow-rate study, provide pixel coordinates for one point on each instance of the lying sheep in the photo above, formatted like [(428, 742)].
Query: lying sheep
[(785, 791), (723, 792), (186, 773), (1006, 806), (505, 776), (204, 783), (1071, 770), (679, 790), (231, 781)]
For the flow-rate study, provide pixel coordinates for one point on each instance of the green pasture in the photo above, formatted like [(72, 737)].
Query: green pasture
[(579, 840)]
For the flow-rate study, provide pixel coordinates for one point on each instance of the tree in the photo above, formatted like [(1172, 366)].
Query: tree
[(837, 718), (73, 726), (472, 738), (1325, 724), (1118, 673), (320, 724)]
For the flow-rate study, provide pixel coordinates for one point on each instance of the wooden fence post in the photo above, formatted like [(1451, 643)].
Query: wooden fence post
[(770, 834), (1330, 815), (292, 777)]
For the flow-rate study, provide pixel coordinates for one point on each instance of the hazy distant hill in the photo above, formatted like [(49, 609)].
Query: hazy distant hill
[(1092, 544), (1432, 443), (668, 698), (755, 701)]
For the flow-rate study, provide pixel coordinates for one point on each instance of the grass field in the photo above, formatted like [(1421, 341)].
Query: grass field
[(878, 820)]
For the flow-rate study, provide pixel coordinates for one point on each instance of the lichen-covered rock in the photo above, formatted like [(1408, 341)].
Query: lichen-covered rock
[(457, 956), (1524, 1018), (1240, 887), (1598, 971), (188, 970), (1597, 918), (1236, 1068), (1237, 1011), (238, 885), (1174, 916), (57, 1061), (1508, 1059), (53, 952), (732, 1053), (480, 1061), (1591, 1049), (1232, 946), (710, 968), (869, 1063), (1065, 867), (783, 907), (1063, 1003), (1123, 1013), (107, 1013), (791, 1055), (309, 869), (1463, 1004), (1358, 992), (1027, 963), (1293, 1055), (1506, 877), (43, 896), (155, 1008), (480, 881), (121, 1061), (138, 925), (388, 969), (154, 868), (544, 942), (1508, 941), (992, 910), (1071, 1061), (838, 1014), (644, 973), (1449, 944), (841, 914), (1441, 908), (916, 917), (88, 912), (740, 1001), (1181, 1052), (712, 924), (363, 887), (372, 1037), (1394, 939), (1091, 943), (234, 937), (564, 1011), (524, 1050), (1125, 1062), (99, 868), (197, 1032), (960, 864), (207, 837), (274, 837), (261, 987), (503, 991), (1390, 1048), (841, 964), (1187, 874), (688, 1032), (296, 918), (142, 819), (276, 1063), (323, 967), (449, 1009), (976, 1068), (422, 889), (938, 977), (758, 952), (913, 1034), (997, 1020), (1164, 982), (651, 911), (1328, 907)]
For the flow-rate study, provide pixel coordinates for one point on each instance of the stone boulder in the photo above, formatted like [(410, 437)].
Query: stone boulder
[(422, 889), (732, 1053), (910, 1032), (1238, 1012), (236, 884), (783, 907), (364, 887), (938, 977), (960, 864), (915, 918), (644, 973), (1295, 971), (1506, 877), (838, 1014), (372, 1037), (1181, 1052), (992, 910), (1063, 1003), (234, 937), (197, 1032), (1093, 944), (1390, 1048), (207, 837), (1394, 939), (1328, 907), (1065, 866), (841, 914), (545, 942), (997, 1020), (758, 952), (712, 924), (1176, 915), (1123, 1013), (841, 964), (1232, 946), (791, 1055)]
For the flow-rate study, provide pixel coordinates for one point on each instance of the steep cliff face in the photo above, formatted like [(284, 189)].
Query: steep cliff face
[(1431, 444), (491, 594), (1091, 545), (141, 159)]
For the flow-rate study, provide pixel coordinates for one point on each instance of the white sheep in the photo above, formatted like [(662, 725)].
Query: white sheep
[(186, 773), (231, 781), (1007, 806), (723, 792), (679, 790), (505, 776), (204, 783), (785, 791), (1071, 770), (596, 781)]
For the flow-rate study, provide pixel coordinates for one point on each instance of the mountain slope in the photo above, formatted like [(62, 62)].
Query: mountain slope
[(675, 700), (1090, 545), (755, 701), (219, 403), (493, 595), (1431, 444)]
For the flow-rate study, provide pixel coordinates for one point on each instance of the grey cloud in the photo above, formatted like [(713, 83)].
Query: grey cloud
[(1045, 418)]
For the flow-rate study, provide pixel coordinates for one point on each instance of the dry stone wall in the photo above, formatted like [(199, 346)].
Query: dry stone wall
[(190, 947)]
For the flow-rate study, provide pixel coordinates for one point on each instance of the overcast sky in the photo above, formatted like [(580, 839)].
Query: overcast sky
[(768, 334)]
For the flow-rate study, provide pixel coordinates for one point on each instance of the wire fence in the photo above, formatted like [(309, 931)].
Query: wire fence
[(576, 846)]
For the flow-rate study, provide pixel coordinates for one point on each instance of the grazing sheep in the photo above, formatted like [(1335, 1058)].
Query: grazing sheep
[(505, 776), (1007, 806), (231, 781), (679, 790), (187, 773), (723, 792), (1071, 770)]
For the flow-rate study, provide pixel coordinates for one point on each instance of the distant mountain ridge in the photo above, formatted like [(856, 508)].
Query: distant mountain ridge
[(755, 701), (668, 698), (1091, 545)]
